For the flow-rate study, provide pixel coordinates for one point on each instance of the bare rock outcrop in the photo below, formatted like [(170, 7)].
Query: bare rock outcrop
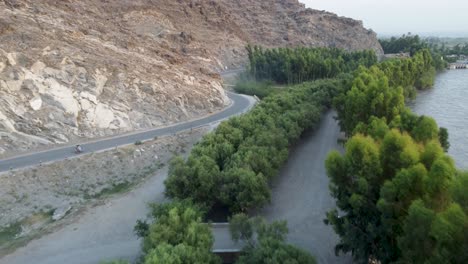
[(82, 69)]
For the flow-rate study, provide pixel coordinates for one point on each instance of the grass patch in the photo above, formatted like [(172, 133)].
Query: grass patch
[(12, 237), (7, 234), (260, 89), (116, 188)]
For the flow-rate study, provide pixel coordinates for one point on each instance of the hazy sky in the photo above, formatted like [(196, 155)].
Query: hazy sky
[(401, 16)]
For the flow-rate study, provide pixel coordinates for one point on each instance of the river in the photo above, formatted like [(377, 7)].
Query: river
[(447, 103)]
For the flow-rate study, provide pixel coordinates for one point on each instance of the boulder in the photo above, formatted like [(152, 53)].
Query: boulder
[(36, 103), (60, 212)]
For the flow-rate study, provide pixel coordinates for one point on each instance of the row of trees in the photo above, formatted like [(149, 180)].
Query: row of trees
[(232, 166), (290, 66), (406, 43), (400, 197)]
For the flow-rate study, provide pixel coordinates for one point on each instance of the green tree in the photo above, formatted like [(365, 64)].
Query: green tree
[(369, 96), (179, 254), (266, 242), (376, 181), (444, 138), (176, 235)]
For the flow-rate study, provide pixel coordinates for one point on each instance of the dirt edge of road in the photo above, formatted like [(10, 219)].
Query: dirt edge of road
[(31, 198)]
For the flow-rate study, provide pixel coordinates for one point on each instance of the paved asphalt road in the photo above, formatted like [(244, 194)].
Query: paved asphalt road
[(239, 104)]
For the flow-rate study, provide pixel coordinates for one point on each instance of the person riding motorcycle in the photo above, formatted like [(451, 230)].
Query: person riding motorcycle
[(78, 149)]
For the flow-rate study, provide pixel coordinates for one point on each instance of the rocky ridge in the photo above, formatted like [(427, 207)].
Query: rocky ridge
[(71, 70)]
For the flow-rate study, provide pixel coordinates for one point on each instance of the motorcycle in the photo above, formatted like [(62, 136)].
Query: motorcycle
[(78, 149)]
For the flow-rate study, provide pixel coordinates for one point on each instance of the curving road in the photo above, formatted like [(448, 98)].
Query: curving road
[(239, 105), (105, 232)]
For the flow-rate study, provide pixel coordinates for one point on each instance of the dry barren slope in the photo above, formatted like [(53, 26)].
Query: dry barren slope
[(82, 69)]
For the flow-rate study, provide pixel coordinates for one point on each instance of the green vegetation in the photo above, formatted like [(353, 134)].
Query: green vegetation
[(449, 47), (11, 236), (292, 66), (400, 197), (176, 235), (381, 90), (406, 43), (265, 243), (115, 188), (232, 166), (114, 262), (414, 44), (7, 234), (259, 88)]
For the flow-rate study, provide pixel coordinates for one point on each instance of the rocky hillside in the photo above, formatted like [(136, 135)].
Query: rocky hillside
[(81, 69)]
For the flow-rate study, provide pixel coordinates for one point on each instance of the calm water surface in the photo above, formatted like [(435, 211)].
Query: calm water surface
[(447, 102)]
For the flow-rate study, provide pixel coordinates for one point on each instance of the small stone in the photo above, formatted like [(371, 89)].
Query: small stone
[(60, 212)]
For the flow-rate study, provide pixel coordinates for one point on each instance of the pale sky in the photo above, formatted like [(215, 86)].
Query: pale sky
[(443, 17)]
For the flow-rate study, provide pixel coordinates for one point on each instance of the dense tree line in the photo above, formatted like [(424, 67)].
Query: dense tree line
[(291, 66), (459, 49), (232, 166), (400, 197), (414, 44), (449, 46), (406, 43)]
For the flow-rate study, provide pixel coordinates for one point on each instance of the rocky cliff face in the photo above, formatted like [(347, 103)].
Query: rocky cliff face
[(80, 69)]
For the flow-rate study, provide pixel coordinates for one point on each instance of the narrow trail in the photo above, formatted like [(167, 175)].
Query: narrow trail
[(301, 195)]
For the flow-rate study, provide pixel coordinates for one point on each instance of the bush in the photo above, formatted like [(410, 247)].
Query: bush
[(177, 235), (260, 89)]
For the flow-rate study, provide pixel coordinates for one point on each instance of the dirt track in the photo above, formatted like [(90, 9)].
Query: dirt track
[(301, 195)]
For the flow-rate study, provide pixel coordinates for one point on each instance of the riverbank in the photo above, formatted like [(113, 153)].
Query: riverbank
[(446, 103)]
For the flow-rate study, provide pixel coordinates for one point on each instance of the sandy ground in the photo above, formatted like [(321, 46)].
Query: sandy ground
[(102, 233)]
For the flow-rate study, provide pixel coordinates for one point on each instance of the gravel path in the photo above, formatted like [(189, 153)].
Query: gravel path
[(301, 195), (104, 232)]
